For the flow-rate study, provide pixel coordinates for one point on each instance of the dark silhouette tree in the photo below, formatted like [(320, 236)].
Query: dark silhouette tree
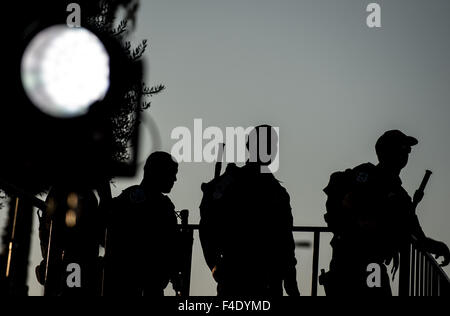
[(27, 167), (25, 170), (104, 19)]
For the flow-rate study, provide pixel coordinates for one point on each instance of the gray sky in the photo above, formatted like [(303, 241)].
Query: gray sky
[(314, 69)]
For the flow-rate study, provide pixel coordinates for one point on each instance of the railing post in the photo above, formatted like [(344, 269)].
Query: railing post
[(315, 274), (422, 273), (405, 270), (417, 272), (413, 271)]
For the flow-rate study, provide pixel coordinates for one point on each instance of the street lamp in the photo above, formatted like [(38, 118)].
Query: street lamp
[(61, 114), (66, 87), (65, 71)]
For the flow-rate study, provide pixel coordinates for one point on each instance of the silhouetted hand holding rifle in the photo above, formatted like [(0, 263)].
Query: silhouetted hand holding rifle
[(420, 193), (439, 249)]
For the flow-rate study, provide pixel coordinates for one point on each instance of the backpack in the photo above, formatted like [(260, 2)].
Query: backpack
[(342, 189)]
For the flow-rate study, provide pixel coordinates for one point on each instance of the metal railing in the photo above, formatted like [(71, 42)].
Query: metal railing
[(317, 231), (188, 230), (420, 274)]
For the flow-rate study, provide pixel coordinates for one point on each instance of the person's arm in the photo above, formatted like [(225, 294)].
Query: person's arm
[(437, 248), (209, 243), (290, 277), (290, 272), (208, 228)]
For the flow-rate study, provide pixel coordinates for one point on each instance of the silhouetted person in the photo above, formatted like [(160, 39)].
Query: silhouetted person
[(70, 233), (144, 232), (246, 226), (372, 217)]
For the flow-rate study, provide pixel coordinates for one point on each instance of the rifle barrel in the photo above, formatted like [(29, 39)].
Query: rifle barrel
[(425, 180)]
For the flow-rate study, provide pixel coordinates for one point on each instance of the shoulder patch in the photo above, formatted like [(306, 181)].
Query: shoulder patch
[(362, 177), (137, 195), (362, 173)]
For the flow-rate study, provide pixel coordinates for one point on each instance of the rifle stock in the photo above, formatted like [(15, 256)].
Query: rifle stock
[(218, 167)]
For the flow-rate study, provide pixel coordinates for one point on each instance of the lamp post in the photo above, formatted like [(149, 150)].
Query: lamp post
[(66, 85)]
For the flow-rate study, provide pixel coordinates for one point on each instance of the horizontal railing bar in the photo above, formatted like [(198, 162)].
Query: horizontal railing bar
[(306, 229), (424, 265), (296, 229)]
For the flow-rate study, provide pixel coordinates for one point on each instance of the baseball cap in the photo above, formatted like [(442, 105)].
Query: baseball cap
[(394, 139)]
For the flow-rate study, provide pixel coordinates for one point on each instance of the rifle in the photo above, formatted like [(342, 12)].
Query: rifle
[(418, 196), (219, 162), (182, 281)]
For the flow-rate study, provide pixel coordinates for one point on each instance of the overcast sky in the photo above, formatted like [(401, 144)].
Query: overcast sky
[(315, 70)]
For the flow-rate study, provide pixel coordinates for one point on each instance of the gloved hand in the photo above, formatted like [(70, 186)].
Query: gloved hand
[(442, 250), (418, 197), (290, 284), (291, 288)]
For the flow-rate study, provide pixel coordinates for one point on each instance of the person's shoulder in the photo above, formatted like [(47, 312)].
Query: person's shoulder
[(365, 167), (364, 173), (338, 179), (282, 192), (133, 195), (270, 185), (231, 173), (359, 172), (232, 170)]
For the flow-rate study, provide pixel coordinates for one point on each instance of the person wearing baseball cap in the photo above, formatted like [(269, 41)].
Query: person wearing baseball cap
[(393, 149), (372, 217)]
